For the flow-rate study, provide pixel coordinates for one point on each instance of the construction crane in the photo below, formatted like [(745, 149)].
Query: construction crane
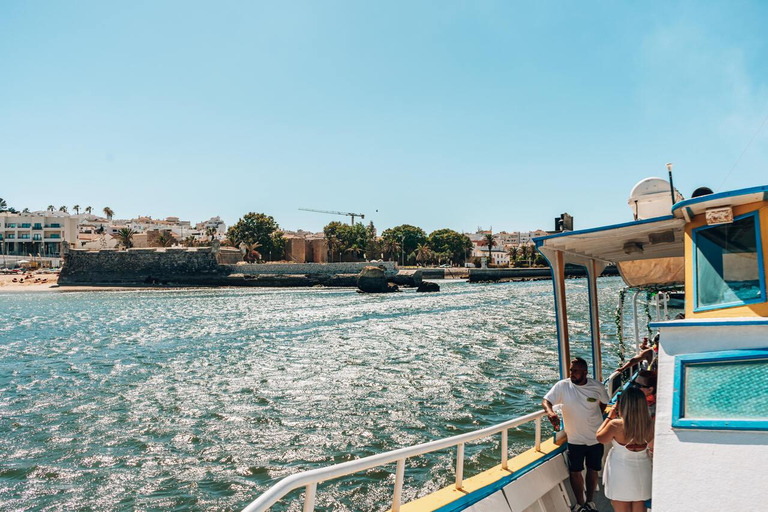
[(352, 215)]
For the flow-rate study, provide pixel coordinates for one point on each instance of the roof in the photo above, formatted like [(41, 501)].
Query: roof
[(661, 237), (700, 204)]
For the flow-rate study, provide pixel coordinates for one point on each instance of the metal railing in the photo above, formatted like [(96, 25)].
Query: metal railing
[(310, 479)]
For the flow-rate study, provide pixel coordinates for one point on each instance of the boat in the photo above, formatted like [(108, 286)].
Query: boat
[(711, 426)]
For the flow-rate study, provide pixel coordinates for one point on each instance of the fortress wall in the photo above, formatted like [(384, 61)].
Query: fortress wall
[(309, 268), (140, 266)]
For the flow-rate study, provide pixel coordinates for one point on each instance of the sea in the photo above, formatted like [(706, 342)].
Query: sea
[(201, 399)]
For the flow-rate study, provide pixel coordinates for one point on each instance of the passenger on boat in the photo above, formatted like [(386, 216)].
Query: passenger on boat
[(644, 357), (627, 475), (646, 382), (583, 400)]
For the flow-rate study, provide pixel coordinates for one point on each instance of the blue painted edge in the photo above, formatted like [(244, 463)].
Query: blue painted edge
[(482, 493), (678, 392), (710, 323), (760, 267), (721, 195), (539, 240), (557, 313)]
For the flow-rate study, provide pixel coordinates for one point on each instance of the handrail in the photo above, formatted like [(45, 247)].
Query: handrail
[(310, 479)]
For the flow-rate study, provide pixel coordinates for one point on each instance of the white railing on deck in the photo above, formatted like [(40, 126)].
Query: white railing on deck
[(310, 479)]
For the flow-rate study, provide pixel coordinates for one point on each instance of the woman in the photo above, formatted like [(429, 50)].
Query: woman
[(627, 475)]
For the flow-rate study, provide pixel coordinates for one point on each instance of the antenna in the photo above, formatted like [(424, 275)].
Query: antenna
[(671, 185)]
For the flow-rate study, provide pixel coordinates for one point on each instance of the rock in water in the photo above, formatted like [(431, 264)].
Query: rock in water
[(372, 280), (428, 286)]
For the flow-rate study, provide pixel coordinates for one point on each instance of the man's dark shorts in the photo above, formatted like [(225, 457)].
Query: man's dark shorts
[(592, 453)]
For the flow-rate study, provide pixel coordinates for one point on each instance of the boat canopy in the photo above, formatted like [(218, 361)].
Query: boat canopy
[(648, 252)]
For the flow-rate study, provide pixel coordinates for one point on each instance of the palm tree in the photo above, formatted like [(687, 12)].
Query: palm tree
[(164, 239), (422, 253), (3, 205), (108, 212), (125, 236), (333, 245), (25, 210), (63, 209), (211, 232), (77, 209), (190, 241), (51, 208), (88, 209), (512, 255), (491, 241), (392, 248)]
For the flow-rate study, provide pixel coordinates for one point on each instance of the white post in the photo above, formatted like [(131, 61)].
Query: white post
[(399, 477), (460, 466), (538, 434), (504, 450), (309, 499)]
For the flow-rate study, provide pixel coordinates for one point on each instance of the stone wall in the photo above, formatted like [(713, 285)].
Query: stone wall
[(142, 266), (309, 268)]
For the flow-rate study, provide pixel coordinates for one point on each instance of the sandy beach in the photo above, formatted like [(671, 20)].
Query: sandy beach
[(44, 283)]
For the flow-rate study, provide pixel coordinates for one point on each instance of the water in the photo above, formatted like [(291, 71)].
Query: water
[(202, 399)]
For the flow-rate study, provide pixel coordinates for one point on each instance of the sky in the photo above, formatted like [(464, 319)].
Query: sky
[(439, 114)]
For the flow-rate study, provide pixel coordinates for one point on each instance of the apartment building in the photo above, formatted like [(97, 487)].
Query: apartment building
[(36, 233)]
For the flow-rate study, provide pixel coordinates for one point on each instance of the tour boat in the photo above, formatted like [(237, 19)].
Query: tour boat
[(711, 427)]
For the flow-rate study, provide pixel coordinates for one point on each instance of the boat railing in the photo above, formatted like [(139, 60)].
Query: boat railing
[(310, 479)]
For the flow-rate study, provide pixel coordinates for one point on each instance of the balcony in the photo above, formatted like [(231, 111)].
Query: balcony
[(37, 226), (53, 237), (12, 226), (24, 237), (37, 238), (26, 225), (10, 237)]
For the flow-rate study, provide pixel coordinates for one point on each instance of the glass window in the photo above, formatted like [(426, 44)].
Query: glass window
[(735, 390), (728, 264)]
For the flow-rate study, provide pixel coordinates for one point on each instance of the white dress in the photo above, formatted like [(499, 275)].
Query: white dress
[(627, 474)]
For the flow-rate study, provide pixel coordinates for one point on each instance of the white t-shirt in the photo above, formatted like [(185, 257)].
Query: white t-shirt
[(581, 408)]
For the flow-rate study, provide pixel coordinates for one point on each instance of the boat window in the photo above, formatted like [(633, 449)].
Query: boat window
[(728, 264), (726, 390)]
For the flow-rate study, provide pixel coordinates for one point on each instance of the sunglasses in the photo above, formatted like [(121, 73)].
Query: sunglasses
[(638, 385)]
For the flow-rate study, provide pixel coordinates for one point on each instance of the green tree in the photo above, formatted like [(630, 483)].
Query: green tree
[(63, 209), (190, 241), (165, 239), (77, 209), (391, 248), (211, 233), (25, 210), (423, 254), (344, 239), (3, 205), (258, 230), (108, 212), (490, 241), (512, 252), (450, 242), (409, 237), (51, 208), (125, 237), (88, 209)]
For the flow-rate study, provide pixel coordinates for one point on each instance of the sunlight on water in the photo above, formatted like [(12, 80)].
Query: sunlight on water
[(202, 399)]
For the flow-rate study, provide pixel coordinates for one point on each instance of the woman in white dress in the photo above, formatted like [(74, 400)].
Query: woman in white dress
[(627, 473)]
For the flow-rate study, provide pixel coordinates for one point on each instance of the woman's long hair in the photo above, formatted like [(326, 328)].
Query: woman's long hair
[(633, 409)]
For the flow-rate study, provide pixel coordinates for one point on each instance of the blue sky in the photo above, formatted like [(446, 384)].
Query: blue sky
[(438, 114)]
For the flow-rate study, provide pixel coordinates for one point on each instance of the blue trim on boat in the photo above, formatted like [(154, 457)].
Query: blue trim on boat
[(708, 323), (539, 240), (482, 493), (721, 195), (678, 392)]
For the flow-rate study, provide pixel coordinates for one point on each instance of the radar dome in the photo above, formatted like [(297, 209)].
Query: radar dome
[(650, 198)]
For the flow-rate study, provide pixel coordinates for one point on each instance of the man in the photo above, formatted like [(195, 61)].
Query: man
[(646, 381), (583, 400)]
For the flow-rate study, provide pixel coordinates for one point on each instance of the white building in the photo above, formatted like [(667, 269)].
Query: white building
[(36, 233)]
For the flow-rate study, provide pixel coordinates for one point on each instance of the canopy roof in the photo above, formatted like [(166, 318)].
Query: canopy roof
[(661, 237)]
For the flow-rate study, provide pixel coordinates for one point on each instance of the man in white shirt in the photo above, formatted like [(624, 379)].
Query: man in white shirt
[(583, 400)]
